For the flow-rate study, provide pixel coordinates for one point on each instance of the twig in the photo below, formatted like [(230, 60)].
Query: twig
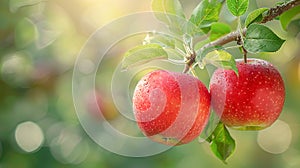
[(221, 41), (235, 35), (189, 63), (278, 10)]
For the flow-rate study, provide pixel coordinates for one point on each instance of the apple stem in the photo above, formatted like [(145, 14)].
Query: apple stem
[(241, 42), (245, 54)]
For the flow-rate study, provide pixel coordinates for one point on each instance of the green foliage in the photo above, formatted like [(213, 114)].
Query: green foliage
[(171, 13), (255, 16), (164, 40), (206, 13), (218, 30), (200, 44), (142, 54), (289, 16), (173, 54), (260, 38), (237, 7), (221, 142), (168, 7), (221, 59), (161, 39)]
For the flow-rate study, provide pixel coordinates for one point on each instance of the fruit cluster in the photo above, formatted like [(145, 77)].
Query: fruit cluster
[(173, 108)]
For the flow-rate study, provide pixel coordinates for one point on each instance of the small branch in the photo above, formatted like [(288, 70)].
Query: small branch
[(234, 36), (278, 10)]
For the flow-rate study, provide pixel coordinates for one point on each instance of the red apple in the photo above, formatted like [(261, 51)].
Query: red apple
[(253, 100), (171, 108)]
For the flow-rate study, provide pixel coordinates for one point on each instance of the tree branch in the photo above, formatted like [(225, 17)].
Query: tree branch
[(278, 10), (234, 36)]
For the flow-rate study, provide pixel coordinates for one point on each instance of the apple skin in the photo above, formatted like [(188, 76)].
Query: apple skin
[(253, 100), (171, 108)]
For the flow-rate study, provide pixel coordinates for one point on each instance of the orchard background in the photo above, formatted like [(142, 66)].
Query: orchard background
[(39, 43)]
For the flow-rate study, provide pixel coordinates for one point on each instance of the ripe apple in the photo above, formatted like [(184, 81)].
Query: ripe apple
[(171, 108), (253, 100)]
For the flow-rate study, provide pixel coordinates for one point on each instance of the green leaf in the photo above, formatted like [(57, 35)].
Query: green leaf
[(221, 59), (14, 5), (213, 121), (288, 16), (260, 38), (142, 54), (164, 40), (218, 30), (294, 27), (237, 7), (200, 44), (25, 33), (206, 13), (179, 45), (168, 6), (171, 13), (161, 39), (221, 143), (174, 55), (255, 16), (192, 29)]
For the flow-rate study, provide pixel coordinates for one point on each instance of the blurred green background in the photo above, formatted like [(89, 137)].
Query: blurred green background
[(39, 43)]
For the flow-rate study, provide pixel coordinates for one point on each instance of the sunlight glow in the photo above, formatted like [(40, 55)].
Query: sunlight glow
[(29, 136)]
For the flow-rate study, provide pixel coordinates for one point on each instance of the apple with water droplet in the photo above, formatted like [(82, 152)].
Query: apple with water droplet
[(171, 108), (251, 100)]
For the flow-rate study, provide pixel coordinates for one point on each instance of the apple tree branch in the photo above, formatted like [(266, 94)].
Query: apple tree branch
[(235, 35)]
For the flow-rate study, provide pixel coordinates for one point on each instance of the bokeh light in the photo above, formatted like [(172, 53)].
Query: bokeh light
[(69, 147), (29, 136), (16, 69), (87, 67), (275, 139)]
